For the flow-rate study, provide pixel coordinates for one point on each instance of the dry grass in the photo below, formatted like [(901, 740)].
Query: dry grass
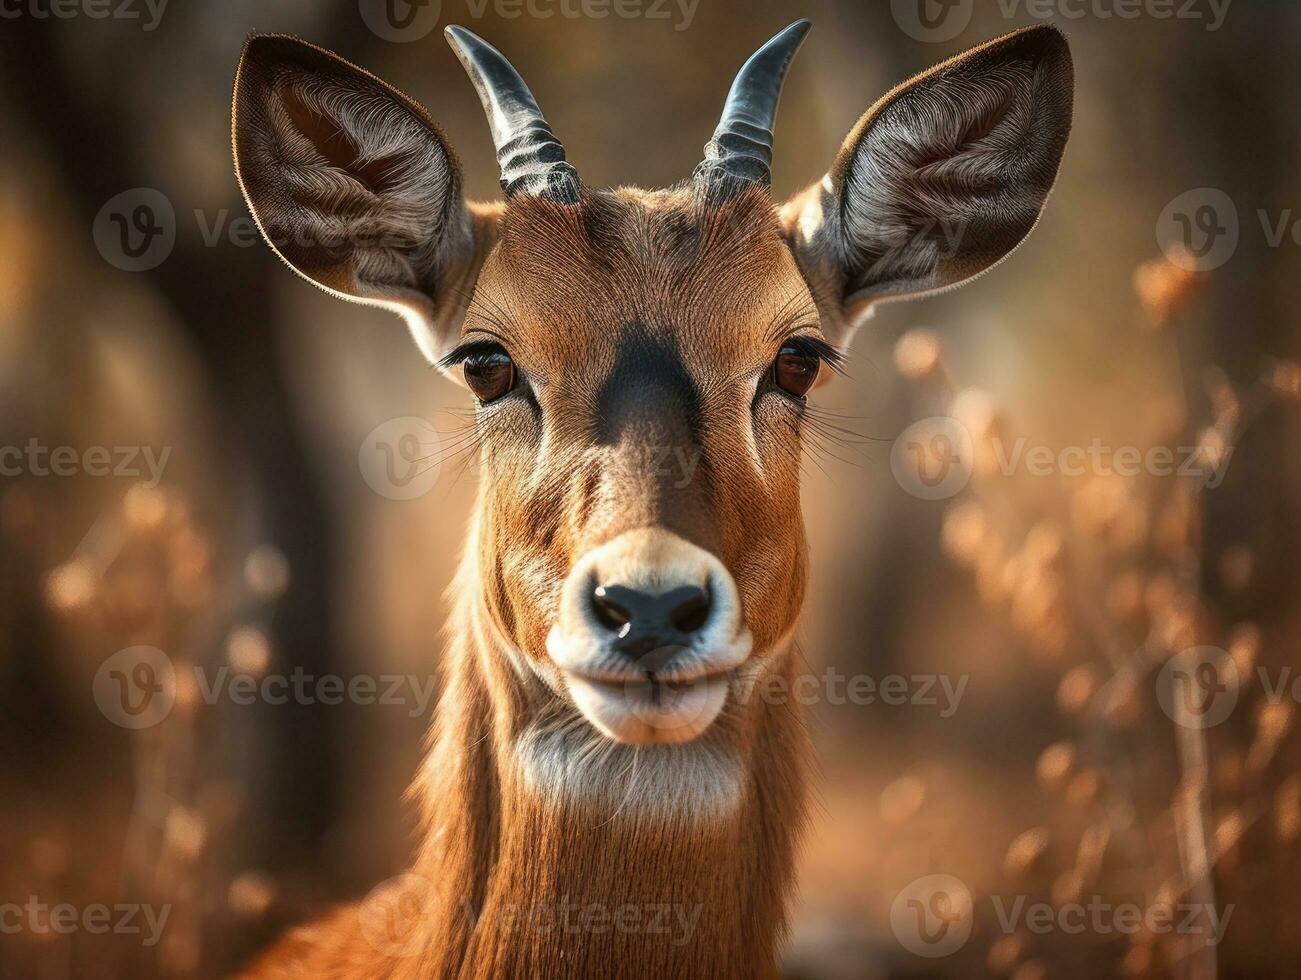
[(1101, 578)]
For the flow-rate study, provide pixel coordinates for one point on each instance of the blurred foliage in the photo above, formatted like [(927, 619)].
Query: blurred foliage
[(262, 549)]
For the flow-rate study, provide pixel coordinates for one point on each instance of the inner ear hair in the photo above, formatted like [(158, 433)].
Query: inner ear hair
[(351, 182), (944, 176)]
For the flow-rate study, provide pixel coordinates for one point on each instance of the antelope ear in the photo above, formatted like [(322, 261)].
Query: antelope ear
[(352, 184), (941, 179)]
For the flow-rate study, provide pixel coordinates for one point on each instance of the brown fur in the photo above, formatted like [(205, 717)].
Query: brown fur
[(568, 279), (643, 322)]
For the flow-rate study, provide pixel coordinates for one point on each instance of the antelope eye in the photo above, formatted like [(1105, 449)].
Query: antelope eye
[(795, 370), (490, 374)]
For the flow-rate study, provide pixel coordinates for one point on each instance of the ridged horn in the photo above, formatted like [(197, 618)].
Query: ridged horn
[(532, 160), (741, 150)]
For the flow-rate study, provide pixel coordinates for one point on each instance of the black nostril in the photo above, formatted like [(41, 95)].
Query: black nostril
[(637, 615), (691, 611), (611, 613)]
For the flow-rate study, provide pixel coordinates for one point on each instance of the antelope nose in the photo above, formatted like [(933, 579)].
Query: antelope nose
[(648, 633), (650, 626)]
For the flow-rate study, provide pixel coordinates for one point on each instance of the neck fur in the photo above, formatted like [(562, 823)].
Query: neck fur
[(554, 852)]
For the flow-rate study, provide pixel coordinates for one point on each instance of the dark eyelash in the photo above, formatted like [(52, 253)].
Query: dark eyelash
[(807, 345), (811, 346), (464, 352)]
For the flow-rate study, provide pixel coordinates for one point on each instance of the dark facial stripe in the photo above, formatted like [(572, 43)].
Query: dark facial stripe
[(649, 411), (649, 388)]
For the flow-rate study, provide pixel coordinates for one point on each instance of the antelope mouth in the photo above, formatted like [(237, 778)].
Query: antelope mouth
[(648, 710), (648, 637)]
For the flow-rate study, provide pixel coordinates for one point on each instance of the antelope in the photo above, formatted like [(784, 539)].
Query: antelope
[(599, 746)]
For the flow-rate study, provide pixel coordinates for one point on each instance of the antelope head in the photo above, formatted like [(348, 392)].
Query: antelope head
[(640, 360)]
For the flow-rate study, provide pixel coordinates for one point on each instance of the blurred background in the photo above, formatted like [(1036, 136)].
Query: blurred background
[(184, 425)]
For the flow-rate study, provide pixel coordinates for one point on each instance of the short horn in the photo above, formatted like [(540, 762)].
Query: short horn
[(532, 160), (741, 150)]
